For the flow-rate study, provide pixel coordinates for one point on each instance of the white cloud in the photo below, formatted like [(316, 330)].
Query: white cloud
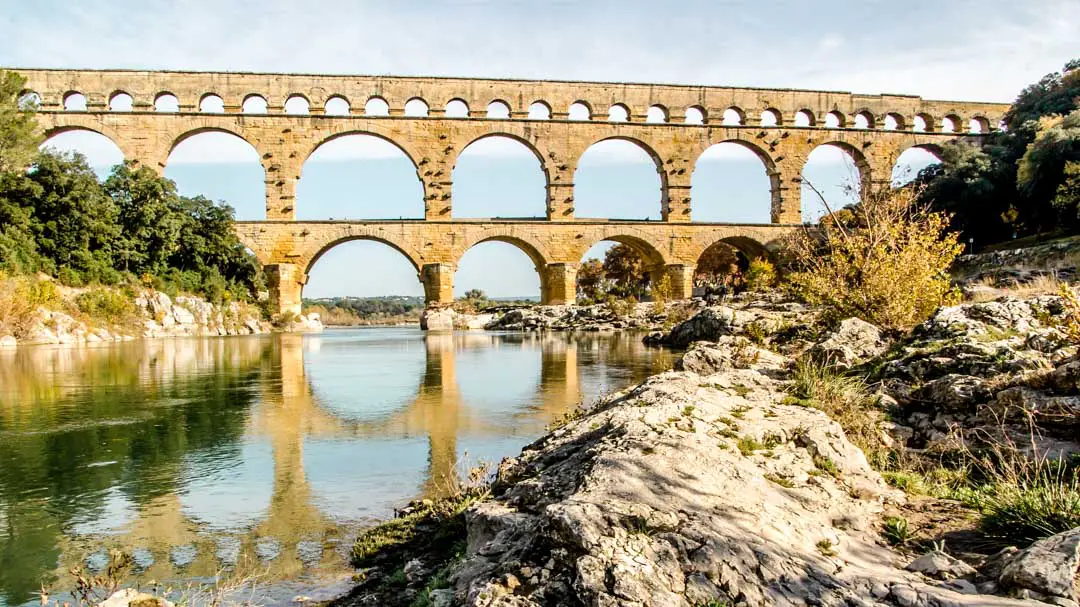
[(831, 42)]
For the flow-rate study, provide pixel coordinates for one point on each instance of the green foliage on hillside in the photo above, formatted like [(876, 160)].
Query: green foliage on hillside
[(1025, 180), (57, 218)]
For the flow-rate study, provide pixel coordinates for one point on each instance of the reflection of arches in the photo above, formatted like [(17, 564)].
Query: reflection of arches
[(499, 175), (613, 170), (359, 175), (723, 187)]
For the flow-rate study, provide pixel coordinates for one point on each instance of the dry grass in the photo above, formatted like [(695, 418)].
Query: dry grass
[(1046, 284), (20, 299)]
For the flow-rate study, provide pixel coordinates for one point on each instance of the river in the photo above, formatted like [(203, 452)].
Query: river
[(264, 455)]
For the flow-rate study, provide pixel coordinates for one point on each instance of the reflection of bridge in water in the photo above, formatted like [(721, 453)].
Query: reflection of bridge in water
[(294, 534)]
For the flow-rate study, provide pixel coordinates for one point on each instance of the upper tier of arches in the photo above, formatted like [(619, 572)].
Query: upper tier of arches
[(521, 100)]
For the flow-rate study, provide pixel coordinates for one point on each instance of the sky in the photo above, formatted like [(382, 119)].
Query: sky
[(941, 49)]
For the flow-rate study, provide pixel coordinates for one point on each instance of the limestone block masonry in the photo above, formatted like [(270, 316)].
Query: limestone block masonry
[(873, 129)]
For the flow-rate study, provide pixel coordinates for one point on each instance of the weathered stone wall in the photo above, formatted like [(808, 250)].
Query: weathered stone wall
[(433, 143)]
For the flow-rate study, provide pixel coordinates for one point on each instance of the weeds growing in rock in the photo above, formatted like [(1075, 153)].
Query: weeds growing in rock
[(896, 530), (884, 260), (826, 548), (844, 398), (1071, 321), (106, 305)]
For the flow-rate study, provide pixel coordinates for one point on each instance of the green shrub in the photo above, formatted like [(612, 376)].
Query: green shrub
[(760, 275), (109, 305), (20, 298), (1043, 501)]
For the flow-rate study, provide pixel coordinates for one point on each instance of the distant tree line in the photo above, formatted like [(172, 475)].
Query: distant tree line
[(57, 218)]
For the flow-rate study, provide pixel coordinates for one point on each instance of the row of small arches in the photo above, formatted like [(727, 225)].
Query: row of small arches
[(540, 110)]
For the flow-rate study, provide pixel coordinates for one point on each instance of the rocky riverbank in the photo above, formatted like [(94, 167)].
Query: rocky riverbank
[(724, 482), (598, 317), (148, 314)]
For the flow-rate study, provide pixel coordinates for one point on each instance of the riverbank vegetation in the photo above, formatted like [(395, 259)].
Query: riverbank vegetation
[(134, 229)]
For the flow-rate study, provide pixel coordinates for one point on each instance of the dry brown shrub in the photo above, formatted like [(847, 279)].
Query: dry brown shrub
[(884, 260)]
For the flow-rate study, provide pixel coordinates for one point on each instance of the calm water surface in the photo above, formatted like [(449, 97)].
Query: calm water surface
[(264, 453)]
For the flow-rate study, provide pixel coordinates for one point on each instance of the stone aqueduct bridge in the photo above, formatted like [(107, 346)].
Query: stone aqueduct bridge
[(433, 142)]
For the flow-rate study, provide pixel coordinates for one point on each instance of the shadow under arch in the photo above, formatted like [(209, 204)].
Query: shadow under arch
[(749, 247)]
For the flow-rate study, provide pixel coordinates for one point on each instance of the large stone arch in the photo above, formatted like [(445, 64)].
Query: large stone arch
[(775, 191), (536, 250), (650, 151), (531, 146), (215, 128), (312, 255), (344, 131)]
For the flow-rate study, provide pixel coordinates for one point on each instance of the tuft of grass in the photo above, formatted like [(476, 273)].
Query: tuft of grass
[(844, 398), (896, 531), (747, 445), (826, 465), (826, 548), (779, 480), (1043, 500)]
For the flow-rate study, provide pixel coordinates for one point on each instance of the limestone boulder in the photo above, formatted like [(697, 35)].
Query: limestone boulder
[(854, 341), (1049, 567)]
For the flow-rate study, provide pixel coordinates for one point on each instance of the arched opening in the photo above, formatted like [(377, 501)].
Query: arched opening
[(539, 110), (834, 120), (950, 124), (733, 116), (361, 268), (500, 270), (220, 166), (359, 176), (336, 106), (864, 120), (616, 267), (771, 117), (456, 108), (120, 102), (376, 106), (911, 162), (695, 115), (656, 114), (499, 177), (831, 180), (254, 104), (894, 122), (29, 101), (804, 118), (101, 153), (618, 113), (498, 109), (416, 107), (617, 179), (730, 184), (579, 111), (921, 123), (211, 104), (722, 266), (978, 125), (75, 102), (297, 105), (166, 102)]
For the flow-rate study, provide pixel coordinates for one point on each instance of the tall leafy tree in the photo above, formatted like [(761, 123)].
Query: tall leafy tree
[(18, 129)]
